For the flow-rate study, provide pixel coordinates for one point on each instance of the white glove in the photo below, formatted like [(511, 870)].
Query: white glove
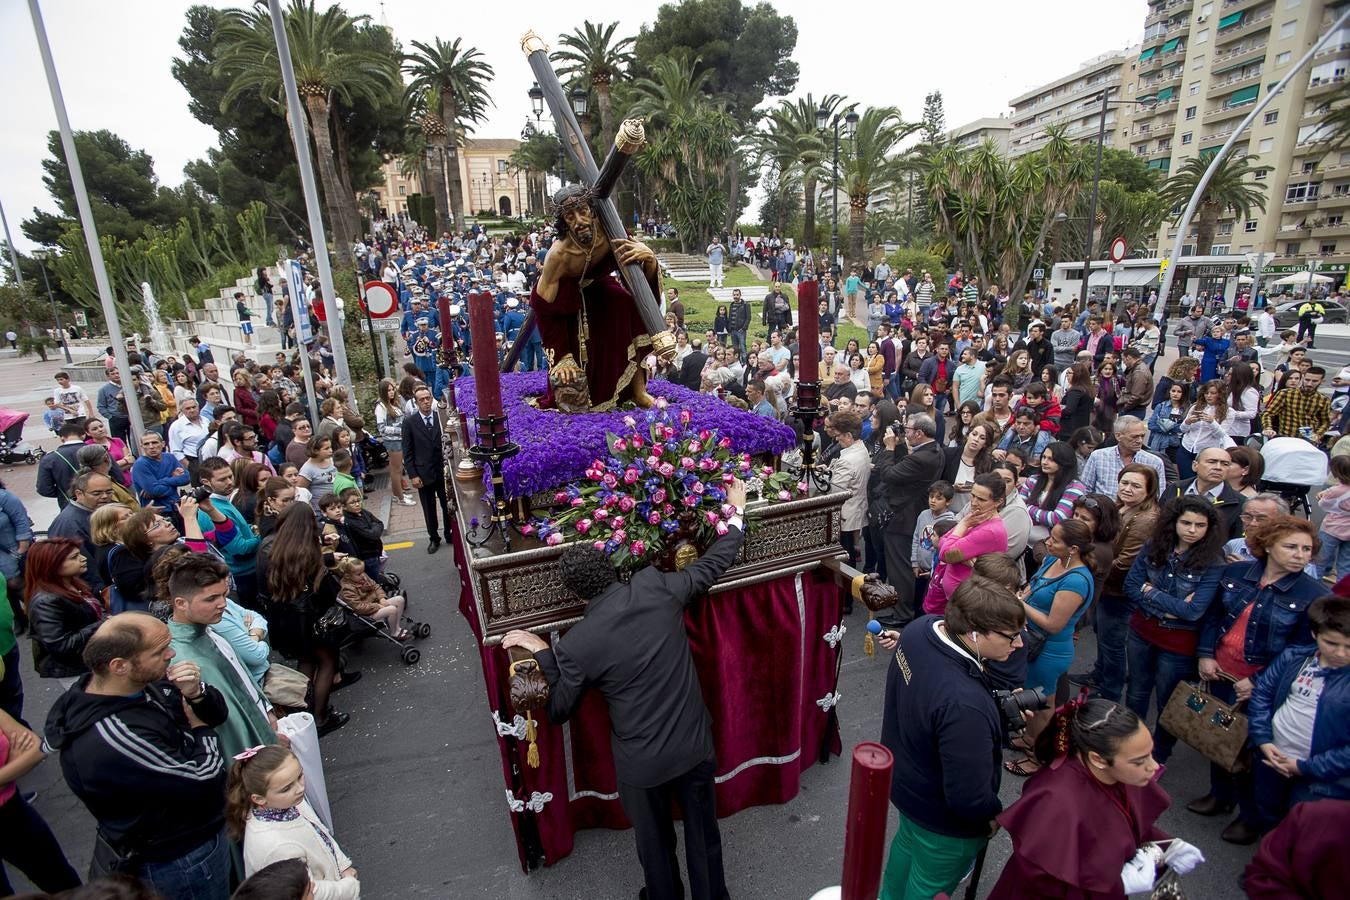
[(1139, 873), (1182, 856)]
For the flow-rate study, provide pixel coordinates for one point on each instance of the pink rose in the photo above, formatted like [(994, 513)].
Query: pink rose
[(620, 535), (630, 422), (728, 478), (766, 471), (784, 495), (659, 495), (728, 510), (583, 526), (577, 503), (610, 481), (695, 446), (690, 500), (560, 497), (611, 500), (685, 416), (653, 460), (554, 539), (620, 445), (654, 518), (616, 522), (657, 450), (626, 503), (711, 517), (801, 487), (704, 434), (661, 403), (638, 442), (527, 529), (602, 513), (598, 465), (745, 467), (697, 487), (687, 462), (667, 510), (599, 545), (666, 470), (721, 528), (630, 476), (724, 443), (594, 474), (637, 548)]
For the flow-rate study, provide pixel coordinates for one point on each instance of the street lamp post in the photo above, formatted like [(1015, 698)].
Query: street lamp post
[(41, 257), (580, 101), (1090, 252), (850, 128)]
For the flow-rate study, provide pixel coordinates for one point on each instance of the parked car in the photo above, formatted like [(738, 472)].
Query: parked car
[(1286, 314)]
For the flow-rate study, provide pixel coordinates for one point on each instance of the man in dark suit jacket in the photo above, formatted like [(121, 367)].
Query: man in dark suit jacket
[(57, 467), (907, 477), (424, 463), (691, 369), (1211, 472), (631, 645)]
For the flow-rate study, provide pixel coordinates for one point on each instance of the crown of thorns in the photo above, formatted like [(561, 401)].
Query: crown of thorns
[(570, 198)]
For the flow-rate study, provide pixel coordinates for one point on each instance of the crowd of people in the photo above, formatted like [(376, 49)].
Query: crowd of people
[(1015, 485)]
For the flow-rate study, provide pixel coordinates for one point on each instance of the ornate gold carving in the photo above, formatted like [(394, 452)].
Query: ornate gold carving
[(685, 554), (531, 42), (630, 137), (663, 345)]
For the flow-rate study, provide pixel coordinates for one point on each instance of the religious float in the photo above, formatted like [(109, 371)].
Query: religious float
[(537, 460)]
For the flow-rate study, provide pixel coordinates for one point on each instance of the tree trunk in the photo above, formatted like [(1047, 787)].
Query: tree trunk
[(317, 107), (1205, 226), (342, 154), (450, 118), (857, 219), (733, 191), (809, 213), (607, 127), (436, 159)]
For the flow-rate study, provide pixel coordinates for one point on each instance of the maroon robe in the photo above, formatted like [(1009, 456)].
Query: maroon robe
[(1304, 857), (618, 341), (1071, 836)]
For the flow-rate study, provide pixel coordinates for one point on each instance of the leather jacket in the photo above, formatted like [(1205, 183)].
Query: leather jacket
[(61, 627)]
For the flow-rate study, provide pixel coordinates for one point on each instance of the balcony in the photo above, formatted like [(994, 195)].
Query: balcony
[(1301, 203), (1319, 86), (1159, 12), (1217, 137), (1159, 60), (1334, 47), (1332, 231), (1232, 83), (1250, 25), (1158, 84), (1161, 152), (1232, 6), (1239, 55), (1144, 113), (1218, 113), (1299, 230), (1333, 201)]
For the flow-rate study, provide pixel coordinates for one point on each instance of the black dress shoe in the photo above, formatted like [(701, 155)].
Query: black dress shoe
[(1209, 805), (433, 546), (334, 721), (1241, 832)]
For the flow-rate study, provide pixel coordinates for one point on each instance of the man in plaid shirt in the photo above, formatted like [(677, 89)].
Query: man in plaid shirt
[(1300, 407)]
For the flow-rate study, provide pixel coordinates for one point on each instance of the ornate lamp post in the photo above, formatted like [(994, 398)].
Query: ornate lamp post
[(850, 129)]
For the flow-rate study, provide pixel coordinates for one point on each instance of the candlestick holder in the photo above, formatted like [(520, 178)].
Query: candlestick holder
[(808, 410), (493, 446)]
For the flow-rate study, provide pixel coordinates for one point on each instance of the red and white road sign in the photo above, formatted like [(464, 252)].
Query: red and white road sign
[(1118, 249), (381, 300)]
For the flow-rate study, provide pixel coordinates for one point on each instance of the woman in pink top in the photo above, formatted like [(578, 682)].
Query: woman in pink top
[(980, 532), (29, 844)]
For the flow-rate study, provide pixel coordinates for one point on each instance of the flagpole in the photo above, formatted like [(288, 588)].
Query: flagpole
[(105, 292)]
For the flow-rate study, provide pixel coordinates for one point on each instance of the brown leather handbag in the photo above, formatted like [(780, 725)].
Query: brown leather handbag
[(1218, 730)]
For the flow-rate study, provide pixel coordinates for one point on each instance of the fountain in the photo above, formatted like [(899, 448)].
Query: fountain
[(159, 338)]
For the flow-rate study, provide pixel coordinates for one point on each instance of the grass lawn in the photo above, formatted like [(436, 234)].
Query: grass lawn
[(700, 308)]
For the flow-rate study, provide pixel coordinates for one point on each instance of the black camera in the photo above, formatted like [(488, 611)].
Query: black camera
[(201, 493), (1014, 703)]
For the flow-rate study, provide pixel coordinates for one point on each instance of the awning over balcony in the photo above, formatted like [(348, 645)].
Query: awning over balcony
[(1244, 95), (1166, 94), (1147, 54), (1170, 45), (1230, 20)]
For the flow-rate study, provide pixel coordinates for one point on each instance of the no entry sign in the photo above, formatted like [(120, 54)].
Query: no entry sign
[(381, 301)]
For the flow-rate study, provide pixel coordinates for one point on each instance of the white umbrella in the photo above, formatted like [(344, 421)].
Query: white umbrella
[(1302, 278)]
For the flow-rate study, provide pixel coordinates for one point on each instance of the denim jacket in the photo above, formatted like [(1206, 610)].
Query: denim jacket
[(1279, 619), (1164, 428), (1327, 768), (1170, 584)]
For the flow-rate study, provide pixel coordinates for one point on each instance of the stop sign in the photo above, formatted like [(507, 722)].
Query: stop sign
[(381, 300)]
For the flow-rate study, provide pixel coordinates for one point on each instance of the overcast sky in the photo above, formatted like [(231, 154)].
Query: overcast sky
[(113, 59)]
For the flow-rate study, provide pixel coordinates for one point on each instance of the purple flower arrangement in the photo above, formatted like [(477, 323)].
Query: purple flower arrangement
[(661, 478), (557, 449)]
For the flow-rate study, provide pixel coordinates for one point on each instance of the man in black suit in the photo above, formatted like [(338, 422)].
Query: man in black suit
[(1211, 473), (631, 645), (424, 463), (691, 369), (908, 477)]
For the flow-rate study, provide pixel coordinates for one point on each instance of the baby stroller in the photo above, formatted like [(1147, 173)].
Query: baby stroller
[(13, 448), (359, 627), (1293, 467)]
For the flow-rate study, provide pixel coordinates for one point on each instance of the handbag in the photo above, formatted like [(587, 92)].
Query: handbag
[(332, 619), (1216, 729), (108, 860), (285, 686), (1033, 639)]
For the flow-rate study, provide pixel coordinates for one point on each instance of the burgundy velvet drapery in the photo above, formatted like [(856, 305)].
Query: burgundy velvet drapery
[(768, 677)]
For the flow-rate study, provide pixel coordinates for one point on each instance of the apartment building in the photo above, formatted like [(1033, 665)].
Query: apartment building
[(1074, 102), (1203, 64), (995, 129)]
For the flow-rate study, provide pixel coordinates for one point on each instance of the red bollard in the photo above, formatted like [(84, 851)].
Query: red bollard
[(869, 794)]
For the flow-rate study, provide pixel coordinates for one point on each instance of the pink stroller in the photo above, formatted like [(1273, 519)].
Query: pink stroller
[(13, 448)]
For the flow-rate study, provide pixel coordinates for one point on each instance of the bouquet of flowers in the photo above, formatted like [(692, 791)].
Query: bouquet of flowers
[(662, 479)]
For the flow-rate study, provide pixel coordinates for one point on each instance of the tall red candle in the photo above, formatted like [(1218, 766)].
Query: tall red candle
[(486, 374), (808, 330), (869, 791), (447, 333)]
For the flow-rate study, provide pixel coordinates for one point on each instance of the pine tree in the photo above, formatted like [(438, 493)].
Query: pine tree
[(934, 119)]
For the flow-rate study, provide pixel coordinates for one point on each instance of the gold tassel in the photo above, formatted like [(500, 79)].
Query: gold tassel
[(869, 644), (532, 755)]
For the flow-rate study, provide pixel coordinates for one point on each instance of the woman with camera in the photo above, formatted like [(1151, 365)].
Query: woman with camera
[(1086, 824), (1172, 583), (946, 730)]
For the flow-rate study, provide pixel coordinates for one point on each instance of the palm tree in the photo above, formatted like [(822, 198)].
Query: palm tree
[(869, 165), (1231, 188), (591, 53), (795, 121), (433, 138), (459, 77), (327, 66)]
